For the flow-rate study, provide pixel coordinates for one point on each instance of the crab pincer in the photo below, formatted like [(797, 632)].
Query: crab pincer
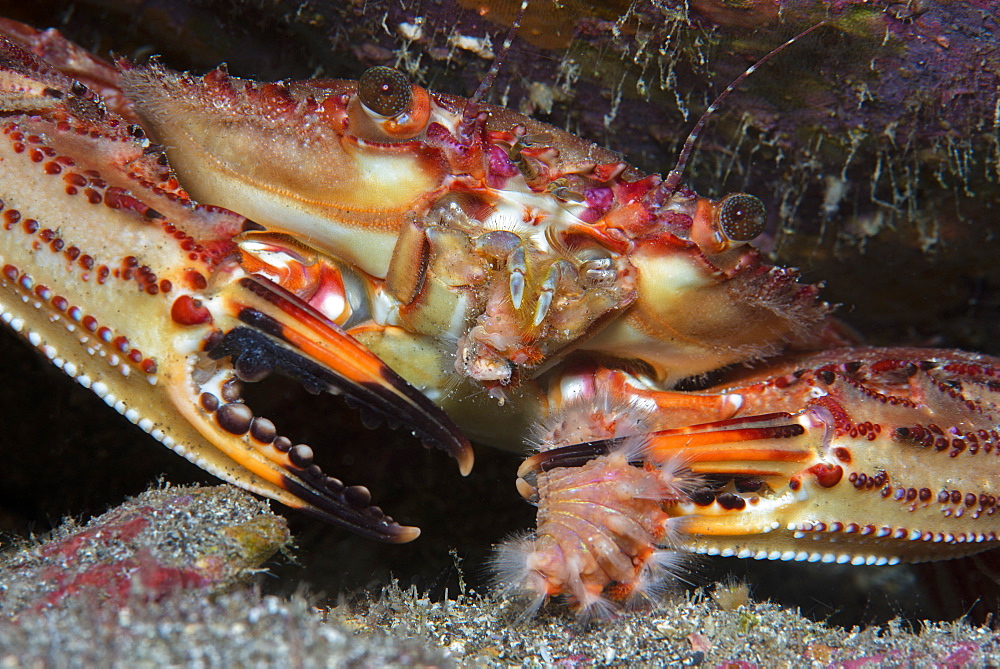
[(138, 293)]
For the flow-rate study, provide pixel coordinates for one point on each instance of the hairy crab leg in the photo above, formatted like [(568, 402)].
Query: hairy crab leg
[(887, 460), (125, 284), (706, 448)]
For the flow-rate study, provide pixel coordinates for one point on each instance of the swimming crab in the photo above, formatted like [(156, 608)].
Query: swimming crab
[(461, 269)]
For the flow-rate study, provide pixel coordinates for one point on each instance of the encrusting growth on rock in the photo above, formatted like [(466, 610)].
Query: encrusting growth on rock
[(135, 551)]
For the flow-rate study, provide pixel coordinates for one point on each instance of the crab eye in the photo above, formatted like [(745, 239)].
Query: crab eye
[(742, 217), (385, 90)]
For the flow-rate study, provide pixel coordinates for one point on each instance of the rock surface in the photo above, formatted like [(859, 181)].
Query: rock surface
[(153, 547)]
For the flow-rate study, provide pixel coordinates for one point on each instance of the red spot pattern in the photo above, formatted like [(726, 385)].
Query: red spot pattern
[(10, 217), (195, 279), (186, 310), (96, 190), (62, 305)]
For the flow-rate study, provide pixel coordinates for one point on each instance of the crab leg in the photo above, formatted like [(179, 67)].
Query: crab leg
[(853, 455), (763, 445)]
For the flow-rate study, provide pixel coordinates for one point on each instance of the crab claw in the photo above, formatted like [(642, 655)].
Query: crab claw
[(264, 329), (112, 272), (317, 352)]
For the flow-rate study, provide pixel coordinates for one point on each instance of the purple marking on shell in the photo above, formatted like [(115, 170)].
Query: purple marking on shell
[(599, 201), (501, 168)]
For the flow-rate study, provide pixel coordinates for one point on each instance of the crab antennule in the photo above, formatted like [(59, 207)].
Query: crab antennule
[(471, 110), (673, 179)]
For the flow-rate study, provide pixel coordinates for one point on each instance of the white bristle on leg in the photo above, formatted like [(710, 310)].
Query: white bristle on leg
[(588, 419), (659, 575), (515, 574)]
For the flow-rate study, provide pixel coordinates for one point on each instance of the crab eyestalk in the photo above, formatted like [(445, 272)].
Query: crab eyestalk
[(388, 108), (734, 220), (704, 297)]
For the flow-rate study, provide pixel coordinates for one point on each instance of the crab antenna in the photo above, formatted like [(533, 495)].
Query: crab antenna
[(673, 179), (472, 106)]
